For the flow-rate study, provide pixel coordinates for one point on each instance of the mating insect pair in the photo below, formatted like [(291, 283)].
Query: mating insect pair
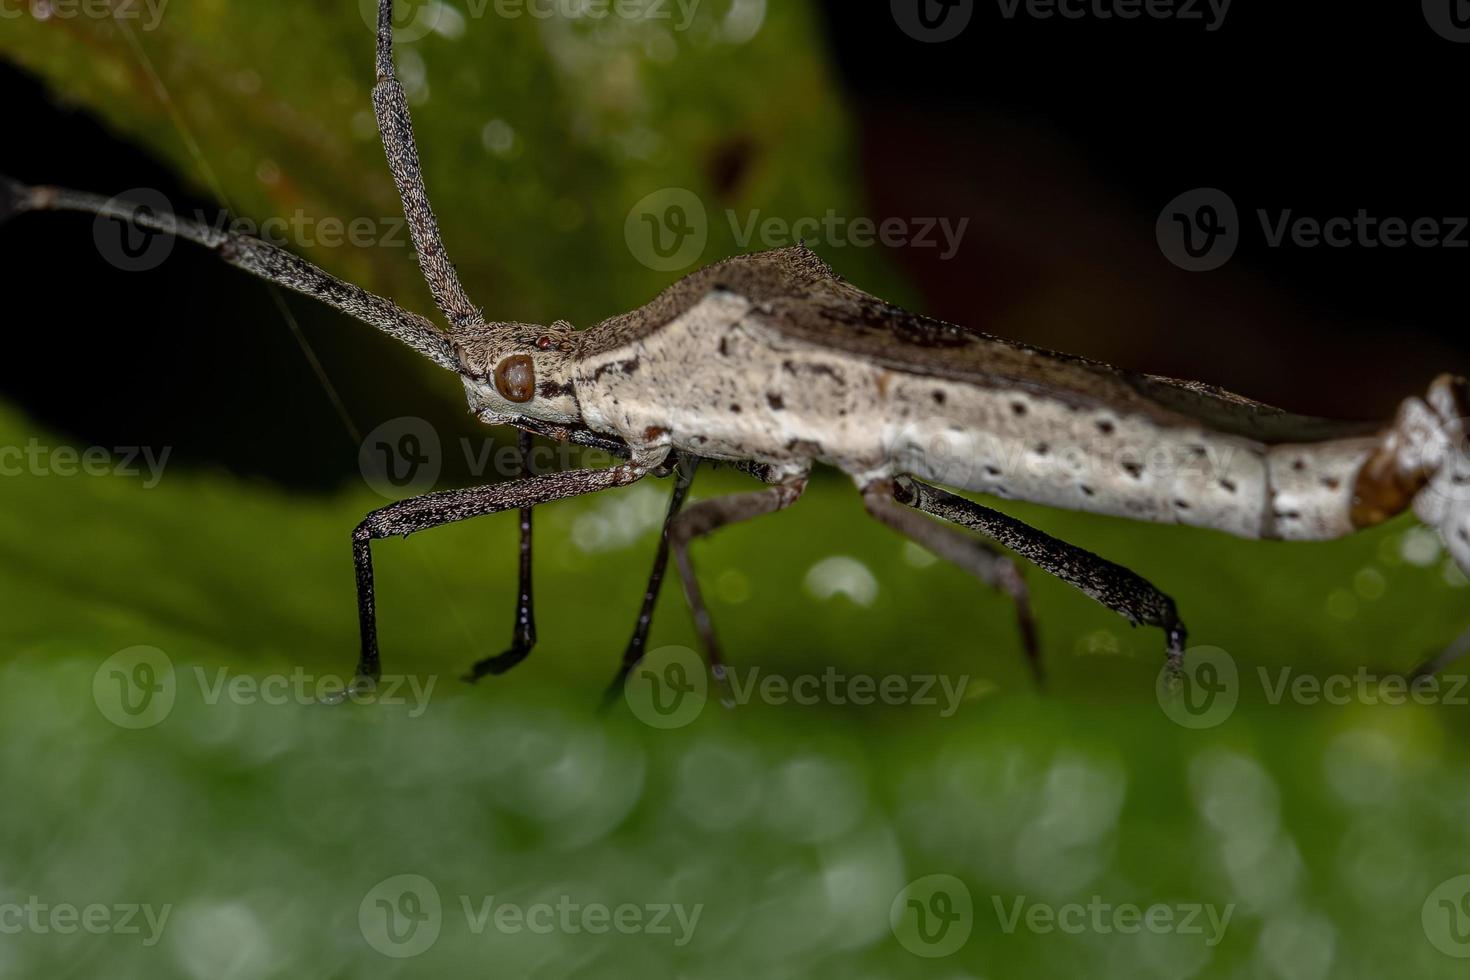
[(774, 364)]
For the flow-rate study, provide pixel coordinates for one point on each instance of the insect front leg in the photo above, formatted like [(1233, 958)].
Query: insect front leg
[(448, 506), (969, 553), (1122, 591), (705, 518), (638, 644), (523, 634)]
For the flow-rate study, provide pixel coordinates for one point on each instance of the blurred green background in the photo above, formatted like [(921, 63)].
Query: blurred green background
[(271, 831)]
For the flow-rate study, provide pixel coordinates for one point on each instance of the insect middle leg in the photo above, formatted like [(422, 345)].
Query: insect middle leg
[(448, 506), (969, 553), (638, 643), (705, 518), (1126, 593)]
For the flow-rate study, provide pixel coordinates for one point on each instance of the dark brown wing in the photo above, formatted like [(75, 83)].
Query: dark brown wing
[(799, 295)]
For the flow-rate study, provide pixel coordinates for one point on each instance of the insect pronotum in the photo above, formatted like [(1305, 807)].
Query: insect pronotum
[(771, 362)]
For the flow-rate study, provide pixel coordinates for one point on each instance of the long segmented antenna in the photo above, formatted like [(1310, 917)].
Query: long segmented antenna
[(257, 257), (395, 124)]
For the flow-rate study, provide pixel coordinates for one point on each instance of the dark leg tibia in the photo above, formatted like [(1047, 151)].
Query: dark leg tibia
[(1126, 593), (448, 506), (638, 643), (523, 635)]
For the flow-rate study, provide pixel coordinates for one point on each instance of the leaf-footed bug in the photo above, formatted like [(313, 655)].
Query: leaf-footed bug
[(790, 366)]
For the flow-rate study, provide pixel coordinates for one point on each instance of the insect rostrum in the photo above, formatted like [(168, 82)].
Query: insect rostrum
[(774, 364)]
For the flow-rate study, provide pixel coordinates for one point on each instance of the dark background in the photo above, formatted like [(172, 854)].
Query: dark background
[(1060, 139)]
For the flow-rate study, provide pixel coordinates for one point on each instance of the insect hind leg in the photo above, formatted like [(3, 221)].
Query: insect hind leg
[(1126, 593), (969, 553)]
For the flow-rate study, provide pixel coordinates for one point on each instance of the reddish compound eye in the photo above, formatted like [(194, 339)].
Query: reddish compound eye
[(515, 378), (543, 343)]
